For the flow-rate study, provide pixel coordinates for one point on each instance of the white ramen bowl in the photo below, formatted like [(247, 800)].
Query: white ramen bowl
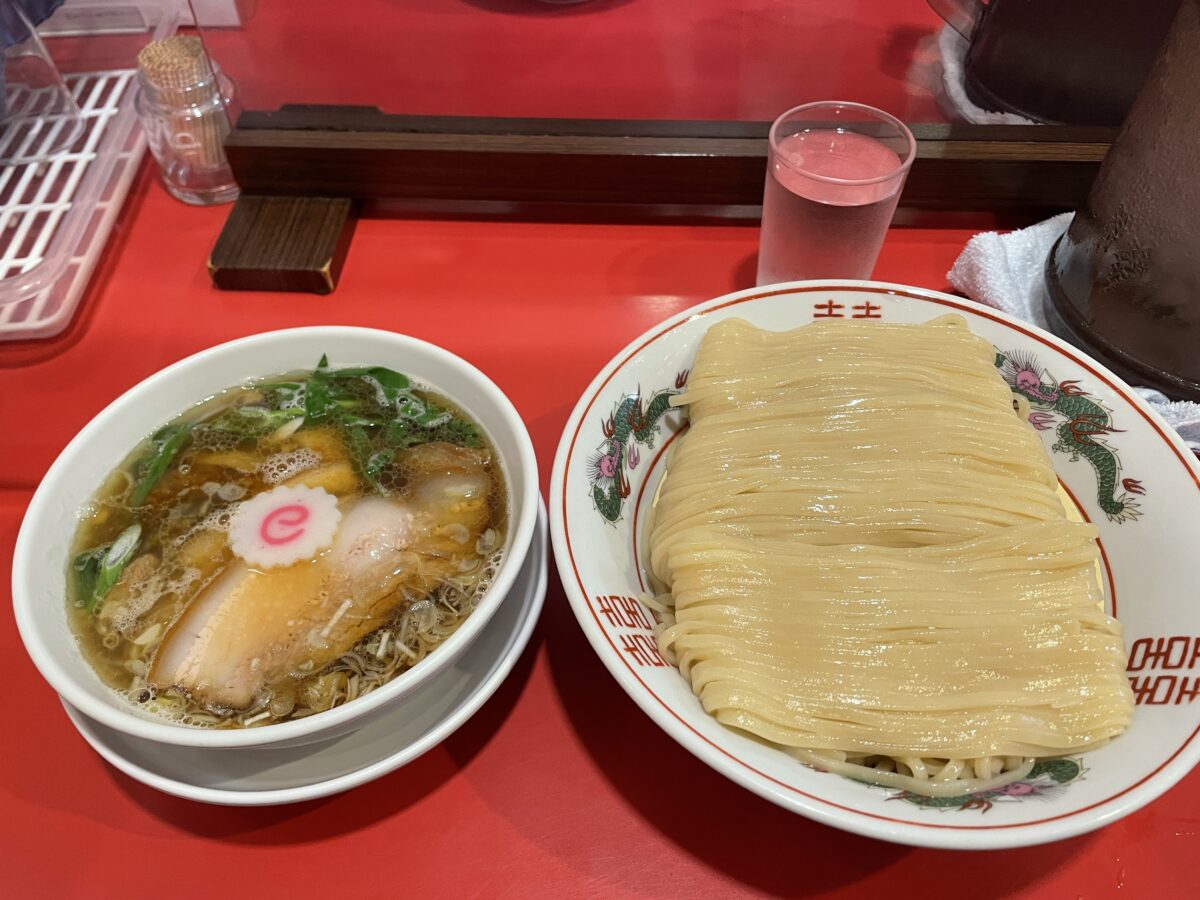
[(1142, 491), (43, 545)]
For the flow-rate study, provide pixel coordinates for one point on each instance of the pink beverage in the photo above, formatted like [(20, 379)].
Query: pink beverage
[(829, 198)]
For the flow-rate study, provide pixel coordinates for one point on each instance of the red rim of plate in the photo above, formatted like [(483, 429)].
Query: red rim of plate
[(964, 306)]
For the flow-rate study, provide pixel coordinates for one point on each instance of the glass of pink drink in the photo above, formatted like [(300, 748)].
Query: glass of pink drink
[(834, 174)]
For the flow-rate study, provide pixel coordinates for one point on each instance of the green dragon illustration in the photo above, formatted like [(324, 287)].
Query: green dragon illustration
[(1082, 433), (633, 422)]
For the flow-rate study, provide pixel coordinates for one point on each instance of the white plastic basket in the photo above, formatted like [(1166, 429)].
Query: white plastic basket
[(56, 215)]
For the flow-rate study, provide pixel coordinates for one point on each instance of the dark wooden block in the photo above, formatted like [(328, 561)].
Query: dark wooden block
[(283, 244)]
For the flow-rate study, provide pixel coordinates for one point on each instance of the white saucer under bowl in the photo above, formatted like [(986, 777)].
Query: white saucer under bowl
[(250, 777)]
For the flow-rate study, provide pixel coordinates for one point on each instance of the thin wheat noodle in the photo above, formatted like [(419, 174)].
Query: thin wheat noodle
[(862, 557)]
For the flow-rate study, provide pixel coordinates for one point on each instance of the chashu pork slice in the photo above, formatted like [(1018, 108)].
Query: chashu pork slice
[(252, 632)]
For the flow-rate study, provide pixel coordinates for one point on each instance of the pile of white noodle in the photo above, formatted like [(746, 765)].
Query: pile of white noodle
[(865, 560)]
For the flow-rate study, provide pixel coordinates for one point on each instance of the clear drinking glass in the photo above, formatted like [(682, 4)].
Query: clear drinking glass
[(834, 174)]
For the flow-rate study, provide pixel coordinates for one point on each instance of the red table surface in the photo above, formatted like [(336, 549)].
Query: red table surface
[(619, 59), (559, 786)]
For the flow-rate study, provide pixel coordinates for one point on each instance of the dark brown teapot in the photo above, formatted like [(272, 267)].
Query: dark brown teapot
[(1124, 281), (1069, 62)]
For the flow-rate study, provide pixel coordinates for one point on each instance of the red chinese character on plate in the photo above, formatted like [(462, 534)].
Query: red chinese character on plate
[(828, 310), (643, 649), (867, 310)]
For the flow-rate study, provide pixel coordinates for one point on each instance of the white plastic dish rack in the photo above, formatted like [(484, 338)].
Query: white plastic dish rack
[(56, 214)]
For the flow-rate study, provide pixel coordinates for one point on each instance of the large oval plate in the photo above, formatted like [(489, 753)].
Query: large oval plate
[(1123, 466)]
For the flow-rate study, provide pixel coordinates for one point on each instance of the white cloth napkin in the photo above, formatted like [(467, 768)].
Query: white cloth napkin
[(1005, 271)]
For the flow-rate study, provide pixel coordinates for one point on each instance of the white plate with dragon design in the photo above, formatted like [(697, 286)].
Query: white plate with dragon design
[(1126, 470)]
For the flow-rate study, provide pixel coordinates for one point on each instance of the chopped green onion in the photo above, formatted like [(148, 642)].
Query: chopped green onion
[(166, 443), (98, 569)]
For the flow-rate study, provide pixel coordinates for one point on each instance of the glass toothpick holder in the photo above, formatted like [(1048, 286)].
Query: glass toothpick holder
[(186, 103)]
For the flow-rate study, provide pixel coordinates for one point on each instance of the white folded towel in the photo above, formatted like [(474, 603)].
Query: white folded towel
[(1006, 271)]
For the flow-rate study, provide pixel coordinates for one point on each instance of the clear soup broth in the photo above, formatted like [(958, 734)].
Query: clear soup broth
[(286, 546)]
